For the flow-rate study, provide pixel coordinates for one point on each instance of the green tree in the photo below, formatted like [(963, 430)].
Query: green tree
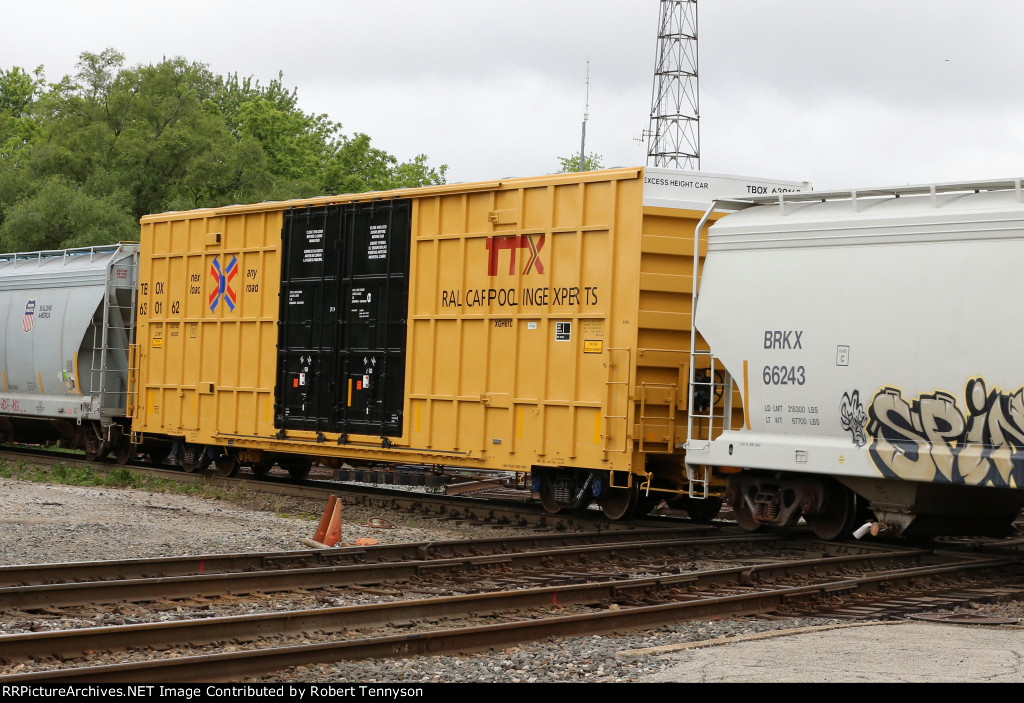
[(356, 166), (120, 142), (19, 91), (61, 215), (306, 153), (570, 164), (145, 131), (416, 173), (15, 183), (295, 146), (19, 127)]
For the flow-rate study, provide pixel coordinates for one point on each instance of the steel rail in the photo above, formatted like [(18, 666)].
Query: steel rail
[(176, 587), (232, 666), (250, 626), (31, 574)]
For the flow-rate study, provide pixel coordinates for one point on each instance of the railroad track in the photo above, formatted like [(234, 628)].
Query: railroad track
[(775, 576), (482, 503), (32, 587)]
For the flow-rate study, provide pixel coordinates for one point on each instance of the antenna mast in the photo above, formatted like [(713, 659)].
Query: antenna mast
[(586, 116), (674, 134)]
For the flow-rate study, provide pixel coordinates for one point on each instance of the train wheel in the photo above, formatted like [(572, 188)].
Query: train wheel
[(262, 468), (195, 458), (620, 503), (840, 515), (703, 511), (744, 518), (543, 486), (124, 451), (548, 502), (95, 449), (297, 468), (227, 465)]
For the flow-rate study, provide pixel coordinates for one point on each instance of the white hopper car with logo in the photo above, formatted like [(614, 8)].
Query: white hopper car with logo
[(67, 325), (873, 342)]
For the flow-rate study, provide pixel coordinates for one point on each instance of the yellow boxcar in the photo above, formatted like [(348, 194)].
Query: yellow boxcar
[(532, 325)]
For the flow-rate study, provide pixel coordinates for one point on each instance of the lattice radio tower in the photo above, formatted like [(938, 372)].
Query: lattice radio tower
[(673, 138)]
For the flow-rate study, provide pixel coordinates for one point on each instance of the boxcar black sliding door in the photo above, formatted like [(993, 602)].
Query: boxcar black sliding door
[(344, 301)]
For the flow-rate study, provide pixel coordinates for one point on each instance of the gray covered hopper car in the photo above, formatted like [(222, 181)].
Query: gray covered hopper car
[(68, 324)]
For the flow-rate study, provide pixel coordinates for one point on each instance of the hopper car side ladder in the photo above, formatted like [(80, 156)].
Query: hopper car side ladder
[(113, 336), (710, 385)]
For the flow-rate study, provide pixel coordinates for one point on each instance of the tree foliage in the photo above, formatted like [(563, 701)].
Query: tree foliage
[(19, 91), (59, 215), (571, 164), (82, 157)]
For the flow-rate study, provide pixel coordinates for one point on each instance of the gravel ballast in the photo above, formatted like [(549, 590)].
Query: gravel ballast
[(45, 523)]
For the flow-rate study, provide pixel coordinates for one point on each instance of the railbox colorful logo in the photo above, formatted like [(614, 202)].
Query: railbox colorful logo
[(221, 280)]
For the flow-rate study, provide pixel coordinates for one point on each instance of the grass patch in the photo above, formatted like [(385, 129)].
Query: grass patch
[(121, 477), (24, 471), (75, 475), (124, 477)]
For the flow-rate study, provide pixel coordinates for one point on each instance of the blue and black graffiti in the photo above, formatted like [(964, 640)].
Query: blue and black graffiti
[(929, 439)]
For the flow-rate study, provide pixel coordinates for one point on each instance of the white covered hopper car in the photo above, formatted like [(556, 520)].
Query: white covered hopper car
[(873, 342), (66, 325)]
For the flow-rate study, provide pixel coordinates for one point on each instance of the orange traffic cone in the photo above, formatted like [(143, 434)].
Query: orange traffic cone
[(328, 532)]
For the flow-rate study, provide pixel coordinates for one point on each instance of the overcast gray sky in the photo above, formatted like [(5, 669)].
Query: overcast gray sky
[(875, 92)]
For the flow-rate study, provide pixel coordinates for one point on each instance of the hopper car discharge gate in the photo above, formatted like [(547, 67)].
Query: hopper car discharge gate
[(841, 485)]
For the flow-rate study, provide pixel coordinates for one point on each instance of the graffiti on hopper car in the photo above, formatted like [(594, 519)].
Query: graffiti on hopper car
[(852, 417), (932, 439), (11, 405)]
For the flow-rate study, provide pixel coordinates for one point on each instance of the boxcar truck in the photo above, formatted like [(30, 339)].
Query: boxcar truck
[(535, 325), (872, 339)]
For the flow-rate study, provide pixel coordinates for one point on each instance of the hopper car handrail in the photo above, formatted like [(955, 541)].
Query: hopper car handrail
[(855, 194), (49, 254)]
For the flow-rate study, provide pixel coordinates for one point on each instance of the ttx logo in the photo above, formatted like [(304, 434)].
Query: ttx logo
[(533, 242)]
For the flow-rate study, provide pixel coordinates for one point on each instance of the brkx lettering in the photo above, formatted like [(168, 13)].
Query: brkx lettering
[(782, 339), (513, 243)]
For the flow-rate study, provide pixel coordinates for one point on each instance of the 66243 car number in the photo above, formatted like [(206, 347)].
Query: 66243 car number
[(783, 376)]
